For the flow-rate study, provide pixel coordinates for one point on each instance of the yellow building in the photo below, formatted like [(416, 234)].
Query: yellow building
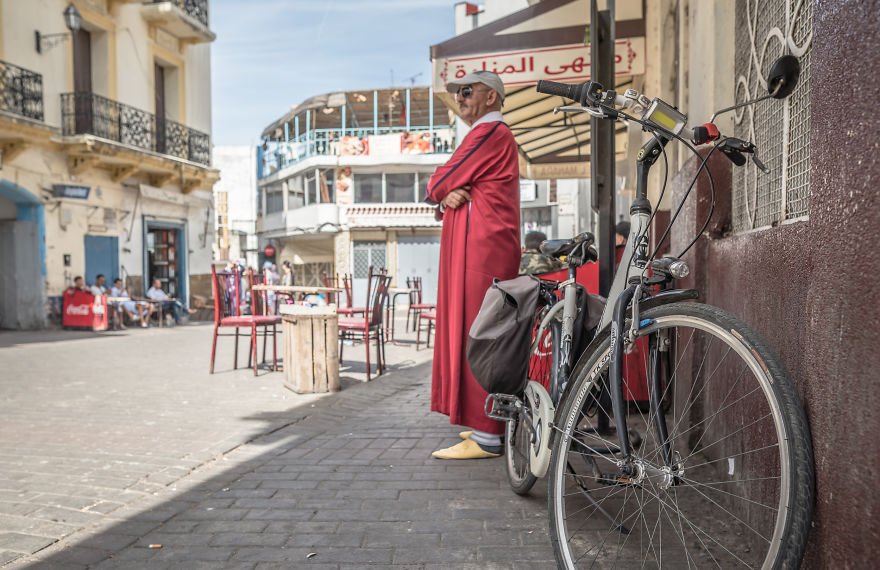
[(105, 149)]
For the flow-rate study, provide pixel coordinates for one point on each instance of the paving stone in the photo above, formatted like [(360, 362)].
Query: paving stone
[(23, 543)]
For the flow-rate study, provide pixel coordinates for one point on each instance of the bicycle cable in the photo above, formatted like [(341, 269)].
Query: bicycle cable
[(652, 129)]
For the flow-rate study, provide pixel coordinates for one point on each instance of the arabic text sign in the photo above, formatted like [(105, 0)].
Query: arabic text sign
[(562, 63)]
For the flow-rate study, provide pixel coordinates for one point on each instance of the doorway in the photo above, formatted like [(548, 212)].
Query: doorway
[(165, 258), (102, 257), (161, 130), (419, 256), (82, 83), (364, 255)]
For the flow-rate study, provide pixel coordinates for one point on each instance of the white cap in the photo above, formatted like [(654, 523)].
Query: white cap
[(487, 78)]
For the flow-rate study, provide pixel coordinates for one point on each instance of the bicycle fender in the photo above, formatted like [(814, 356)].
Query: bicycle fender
[(658, 300)]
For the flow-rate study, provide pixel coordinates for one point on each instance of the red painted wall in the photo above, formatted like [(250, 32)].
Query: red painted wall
[(810, 287)]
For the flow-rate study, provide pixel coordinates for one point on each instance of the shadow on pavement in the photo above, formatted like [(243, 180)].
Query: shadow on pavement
[(346, 481)]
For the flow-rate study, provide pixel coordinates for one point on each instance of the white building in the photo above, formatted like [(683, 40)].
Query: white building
[(342, 181), (105, 122), (235, 198)]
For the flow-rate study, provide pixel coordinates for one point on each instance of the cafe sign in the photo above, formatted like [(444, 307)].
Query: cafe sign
[(567, 63)]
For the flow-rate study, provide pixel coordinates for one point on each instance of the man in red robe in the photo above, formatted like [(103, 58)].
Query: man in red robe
[(477, 193)]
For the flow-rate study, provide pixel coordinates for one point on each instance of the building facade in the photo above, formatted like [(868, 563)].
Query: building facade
[(341, 184), (235, 200), (105, 121)]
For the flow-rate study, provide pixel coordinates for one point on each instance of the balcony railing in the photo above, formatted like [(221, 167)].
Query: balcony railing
[(355, 142), (21, 91), (87, 113), (197, 9)]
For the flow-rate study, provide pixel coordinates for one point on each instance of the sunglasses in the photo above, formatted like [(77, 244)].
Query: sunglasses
[(466, 91)]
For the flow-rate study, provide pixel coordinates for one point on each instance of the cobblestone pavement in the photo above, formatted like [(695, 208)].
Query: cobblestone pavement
[(160, 465)]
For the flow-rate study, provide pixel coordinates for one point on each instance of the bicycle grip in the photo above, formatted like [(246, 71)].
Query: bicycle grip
[(554, 88)]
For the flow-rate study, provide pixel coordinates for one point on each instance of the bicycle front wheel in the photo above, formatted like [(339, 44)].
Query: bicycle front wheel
[(729, 485)]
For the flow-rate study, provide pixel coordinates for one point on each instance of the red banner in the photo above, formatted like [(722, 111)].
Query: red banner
[(84, 310)]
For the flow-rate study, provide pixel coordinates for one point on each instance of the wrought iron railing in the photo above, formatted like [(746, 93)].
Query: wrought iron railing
[(321, 142), (197, 9), (21, 91), (88, 113)]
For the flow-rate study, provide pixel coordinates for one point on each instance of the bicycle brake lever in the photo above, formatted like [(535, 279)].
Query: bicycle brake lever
[(569, 109), (735, 156), (760, 164)]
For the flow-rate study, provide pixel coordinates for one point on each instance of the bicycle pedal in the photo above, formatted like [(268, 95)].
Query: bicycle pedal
[(502, 407)]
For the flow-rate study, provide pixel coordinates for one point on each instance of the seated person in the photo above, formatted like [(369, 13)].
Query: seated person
[(155, 293), (136, 311), (98, 288), (533, 261), (79, 285)]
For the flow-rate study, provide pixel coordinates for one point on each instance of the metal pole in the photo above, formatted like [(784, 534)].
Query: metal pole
[(343, 118), (602, 161), (431, 113), (375, 112), (308, 151), (602, 141), (407, 109)]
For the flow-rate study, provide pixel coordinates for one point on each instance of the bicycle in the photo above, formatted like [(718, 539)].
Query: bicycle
[(716, 466)]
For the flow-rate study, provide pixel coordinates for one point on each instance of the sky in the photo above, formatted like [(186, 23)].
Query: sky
[(272, 54)]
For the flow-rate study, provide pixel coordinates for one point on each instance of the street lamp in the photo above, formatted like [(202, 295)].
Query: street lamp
[(73, 21)]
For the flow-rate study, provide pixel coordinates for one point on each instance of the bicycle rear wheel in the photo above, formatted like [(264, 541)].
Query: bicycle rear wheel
[(738, 485), (518, 436)]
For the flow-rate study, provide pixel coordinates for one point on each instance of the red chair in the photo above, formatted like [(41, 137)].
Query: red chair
[(348, 310), (265, 313), (331, 283), (431, 318), (226, 287), (416, 306), (371, 325)]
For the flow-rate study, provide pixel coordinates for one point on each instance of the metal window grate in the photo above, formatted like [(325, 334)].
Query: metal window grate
[(780, 129)]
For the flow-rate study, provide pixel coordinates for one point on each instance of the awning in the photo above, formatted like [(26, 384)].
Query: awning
[(544, 41)]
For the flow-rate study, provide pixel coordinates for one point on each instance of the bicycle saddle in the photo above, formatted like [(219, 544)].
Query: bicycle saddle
[(564, 247)]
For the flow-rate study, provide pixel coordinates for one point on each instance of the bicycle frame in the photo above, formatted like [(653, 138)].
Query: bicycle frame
[(626, 287)]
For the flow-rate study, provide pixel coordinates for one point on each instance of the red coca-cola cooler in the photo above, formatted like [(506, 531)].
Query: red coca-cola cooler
[(82, 310)]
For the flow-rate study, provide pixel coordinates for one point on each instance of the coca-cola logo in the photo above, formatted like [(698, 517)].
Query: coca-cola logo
[(78, 310)]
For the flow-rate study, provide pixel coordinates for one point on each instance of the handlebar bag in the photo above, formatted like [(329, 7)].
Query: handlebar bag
[(498, 340)]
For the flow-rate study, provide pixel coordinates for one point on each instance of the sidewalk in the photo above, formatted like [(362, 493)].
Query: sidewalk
[(348, 477)]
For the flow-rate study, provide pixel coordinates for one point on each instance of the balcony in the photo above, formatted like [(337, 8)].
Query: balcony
[(384, 142), (21, 91), (313, 219), (88, 113), (185, 19), (389, 216)]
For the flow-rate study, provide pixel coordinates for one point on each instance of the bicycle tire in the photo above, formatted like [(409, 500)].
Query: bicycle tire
[(693, 512), (543, 369)]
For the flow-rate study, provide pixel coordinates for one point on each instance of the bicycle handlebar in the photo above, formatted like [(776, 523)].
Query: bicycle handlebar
[(655, 114)]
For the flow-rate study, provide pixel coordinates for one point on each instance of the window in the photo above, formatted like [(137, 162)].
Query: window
[(368, 188), (327, 186), (274, 202), (780, 129), (295, 195), (311, 187), (400, 187), (423, 186)]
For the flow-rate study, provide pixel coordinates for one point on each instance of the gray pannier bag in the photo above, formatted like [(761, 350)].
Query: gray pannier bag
[(499, 339)]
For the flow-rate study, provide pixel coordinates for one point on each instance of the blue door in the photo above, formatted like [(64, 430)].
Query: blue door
[(102, 256)]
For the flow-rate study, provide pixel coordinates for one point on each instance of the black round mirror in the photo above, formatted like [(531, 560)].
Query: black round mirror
[(783, 76)]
